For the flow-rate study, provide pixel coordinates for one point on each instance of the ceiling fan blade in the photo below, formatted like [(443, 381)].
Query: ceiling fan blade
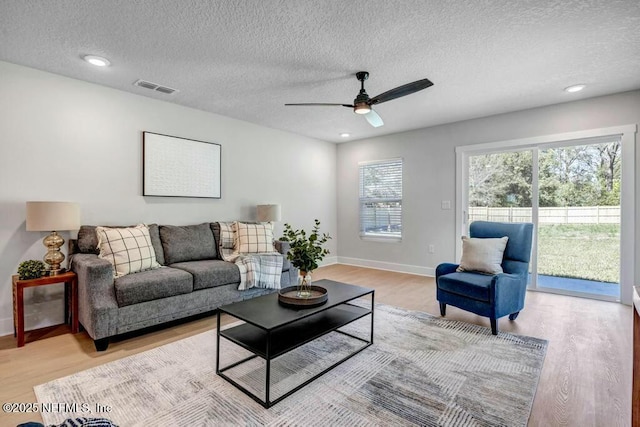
[(374, 119), (403, 90), (315, 104)]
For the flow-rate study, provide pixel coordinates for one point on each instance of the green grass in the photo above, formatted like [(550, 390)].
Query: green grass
[(584, 251)]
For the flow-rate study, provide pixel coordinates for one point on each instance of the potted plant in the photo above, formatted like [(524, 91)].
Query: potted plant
[(31, 269), (305, 253)]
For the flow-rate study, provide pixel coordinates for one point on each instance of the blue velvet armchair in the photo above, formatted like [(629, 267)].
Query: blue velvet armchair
[(493, 296)]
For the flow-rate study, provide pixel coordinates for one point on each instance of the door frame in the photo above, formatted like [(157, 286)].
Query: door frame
[(627, 134)]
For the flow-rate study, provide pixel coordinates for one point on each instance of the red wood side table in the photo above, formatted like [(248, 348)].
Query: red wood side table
[(70, 281)]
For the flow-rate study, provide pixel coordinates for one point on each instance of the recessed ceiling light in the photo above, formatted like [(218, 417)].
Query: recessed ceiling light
[(345, 135), (574, 88), (98, 61)]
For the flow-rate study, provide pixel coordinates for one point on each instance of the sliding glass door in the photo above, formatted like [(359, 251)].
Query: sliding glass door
[(500, 187), (579, 219), (570, 191)]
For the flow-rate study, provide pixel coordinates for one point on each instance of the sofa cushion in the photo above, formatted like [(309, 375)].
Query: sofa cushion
[(129, 249), (187, 243), (471, 285), (253, 238), (210, 273), (151, 285), (87, 241)]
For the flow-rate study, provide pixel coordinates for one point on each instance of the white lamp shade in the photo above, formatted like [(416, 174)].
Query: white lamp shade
[(267, 213), (52, 216)]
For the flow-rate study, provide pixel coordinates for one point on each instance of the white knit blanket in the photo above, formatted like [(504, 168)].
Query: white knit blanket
[(261, 270)]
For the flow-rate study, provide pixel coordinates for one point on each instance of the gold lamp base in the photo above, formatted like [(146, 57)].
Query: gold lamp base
[(53, 257)]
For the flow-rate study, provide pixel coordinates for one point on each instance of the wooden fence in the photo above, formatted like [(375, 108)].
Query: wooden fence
[(562, 215)]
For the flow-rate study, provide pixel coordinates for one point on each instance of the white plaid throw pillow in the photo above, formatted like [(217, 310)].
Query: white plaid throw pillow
[(253, 238), (129, 249)]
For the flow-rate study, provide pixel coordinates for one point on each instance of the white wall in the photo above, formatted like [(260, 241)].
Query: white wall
[(429, 176), (68, 140)]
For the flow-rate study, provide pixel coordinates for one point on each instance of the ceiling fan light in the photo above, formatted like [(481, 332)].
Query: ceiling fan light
[(362, 108)]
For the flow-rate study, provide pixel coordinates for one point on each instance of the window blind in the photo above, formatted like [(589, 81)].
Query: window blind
[(381, 198)]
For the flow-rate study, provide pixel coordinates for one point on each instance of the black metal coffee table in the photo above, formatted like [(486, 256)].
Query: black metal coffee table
[(271, 330)]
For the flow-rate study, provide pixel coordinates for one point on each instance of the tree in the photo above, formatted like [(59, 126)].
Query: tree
[(584, 175), (500, 179), (609, 173)]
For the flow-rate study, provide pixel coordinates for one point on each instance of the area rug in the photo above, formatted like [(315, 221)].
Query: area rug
[(421, 370)]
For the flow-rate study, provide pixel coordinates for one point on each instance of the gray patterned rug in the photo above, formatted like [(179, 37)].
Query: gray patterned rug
[(421, 370)]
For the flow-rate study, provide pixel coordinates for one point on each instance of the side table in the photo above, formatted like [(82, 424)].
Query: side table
[(70, 281)]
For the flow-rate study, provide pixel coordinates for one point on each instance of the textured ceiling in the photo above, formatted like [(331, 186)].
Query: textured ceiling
[(247, 58)]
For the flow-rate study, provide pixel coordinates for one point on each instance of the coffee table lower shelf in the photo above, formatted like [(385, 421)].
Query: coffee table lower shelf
[(270, 344)]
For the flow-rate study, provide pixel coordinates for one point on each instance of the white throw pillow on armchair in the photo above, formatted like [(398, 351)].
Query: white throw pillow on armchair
[(482, 255)]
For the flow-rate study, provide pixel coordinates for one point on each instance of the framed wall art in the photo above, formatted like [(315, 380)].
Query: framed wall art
[(180, 167)]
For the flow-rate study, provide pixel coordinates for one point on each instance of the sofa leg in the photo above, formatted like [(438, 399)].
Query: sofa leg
[(101, 344), (494, 326), (443, 309), (513, 316)]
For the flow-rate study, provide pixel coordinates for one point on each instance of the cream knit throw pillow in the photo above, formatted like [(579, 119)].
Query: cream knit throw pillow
[(254, 238), (482, 255), (129, 249)]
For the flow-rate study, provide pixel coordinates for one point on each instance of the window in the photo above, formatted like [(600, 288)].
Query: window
[(381, 199)]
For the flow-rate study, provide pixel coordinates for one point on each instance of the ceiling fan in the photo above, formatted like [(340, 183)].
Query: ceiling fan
[(362, 103)]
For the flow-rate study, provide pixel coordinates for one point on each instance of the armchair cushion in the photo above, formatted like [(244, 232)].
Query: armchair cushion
[(469, 285), (482, 255)]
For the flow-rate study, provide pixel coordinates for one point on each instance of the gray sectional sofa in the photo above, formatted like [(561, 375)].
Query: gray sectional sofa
[(193, 280)]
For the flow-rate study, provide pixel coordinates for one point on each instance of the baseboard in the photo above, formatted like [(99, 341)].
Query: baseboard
[(389, 266), (329, 261)]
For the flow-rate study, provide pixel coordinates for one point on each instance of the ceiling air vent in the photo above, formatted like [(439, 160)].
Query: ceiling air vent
[(154, 86)]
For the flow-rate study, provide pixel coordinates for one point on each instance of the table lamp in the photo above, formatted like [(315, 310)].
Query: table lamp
[(268, 213), (53, 217)]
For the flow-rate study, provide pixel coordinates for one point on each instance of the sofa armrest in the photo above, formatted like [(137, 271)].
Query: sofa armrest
[(97, 305), (283, 247), (289, 272)]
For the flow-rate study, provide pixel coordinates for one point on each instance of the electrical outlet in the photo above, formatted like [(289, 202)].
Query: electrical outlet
[(445, 204), (432, 249)]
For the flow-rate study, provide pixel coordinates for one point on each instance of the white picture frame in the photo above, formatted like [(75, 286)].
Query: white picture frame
[(180, 167)]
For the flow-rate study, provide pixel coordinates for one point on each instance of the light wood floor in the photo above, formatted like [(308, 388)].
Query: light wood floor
[(586, 379)]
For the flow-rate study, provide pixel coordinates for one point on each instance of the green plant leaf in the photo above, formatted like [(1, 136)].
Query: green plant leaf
[(305, 252)]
